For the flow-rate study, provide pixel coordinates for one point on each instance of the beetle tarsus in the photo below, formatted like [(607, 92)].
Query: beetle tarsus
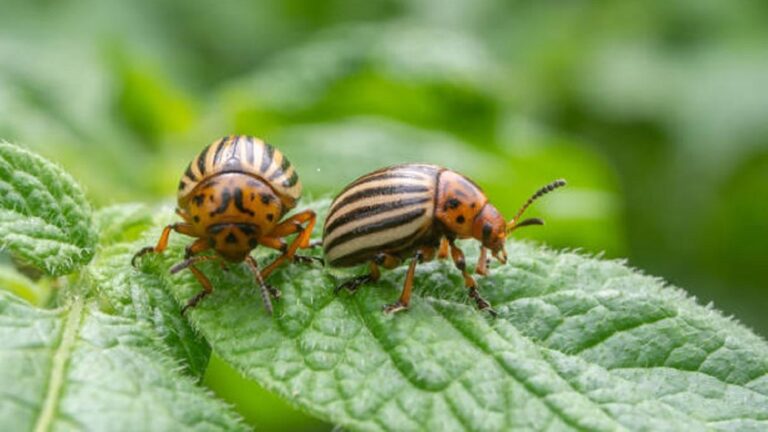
[(308, 259), (192, 303), (274, 292), (140, 254), (395, 307), (482, 304), (353, 284)]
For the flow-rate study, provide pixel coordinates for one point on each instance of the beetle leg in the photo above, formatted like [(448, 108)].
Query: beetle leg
[(469, 281), (267, 291), (200, 245), (388, 261), (444, 249), (405, 296), (482, 262), (201, 278), (290, 226), (162, 243)]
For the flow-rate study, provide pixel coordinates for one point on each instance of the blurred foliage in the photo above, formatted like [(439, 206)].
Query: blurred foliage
[(654, 111)]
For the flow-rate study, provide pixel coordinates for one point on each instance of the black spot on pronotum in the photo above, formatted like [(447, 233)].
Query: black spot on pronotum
[(266, 198), (453, 203), (199, 199), (231, 238), (460, 220), (487, 231), (226, 197), (239, 202), (182, 185)]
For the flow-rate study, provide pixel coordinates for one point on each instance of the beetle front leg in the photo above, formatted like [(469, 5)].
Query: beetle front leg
[(162, 243), (189, 263), (292, 225), (469, 281)]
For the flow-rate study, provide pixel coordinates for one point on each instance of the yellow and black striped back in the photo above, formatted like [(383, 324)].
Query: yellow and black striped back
[(246, 154), (388, 210)]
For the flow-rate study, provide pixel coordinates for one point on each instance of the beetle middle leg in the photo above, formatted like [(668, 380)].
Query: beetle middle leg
[(189, 263), (383, 259), (292, 225), (469, 281)]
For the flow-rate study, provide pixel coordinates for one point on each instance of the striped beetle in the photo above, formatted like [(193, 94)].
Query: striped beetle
[(416, 211), (232, 198)]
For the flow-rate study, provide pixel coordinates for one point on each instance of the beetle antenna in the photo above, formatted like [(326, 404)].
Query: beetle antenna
[(514, 224)]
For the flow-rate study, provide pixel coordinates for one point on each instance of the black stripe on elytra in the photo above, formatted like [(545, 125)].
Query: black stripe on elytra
[(292, 180), (360, 255), (283, 169), (239, 202), (219, 147), (189, 173), (226, 197), (372, 210), (384, 176), (249, 151), (378, 226), (201, 160), (376, 191), (235, 148), (266, 158)]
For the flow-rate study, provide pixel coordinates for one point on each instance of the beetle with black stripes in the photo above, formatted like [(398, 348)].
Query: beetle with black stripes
[(416, 212), (232, 198)]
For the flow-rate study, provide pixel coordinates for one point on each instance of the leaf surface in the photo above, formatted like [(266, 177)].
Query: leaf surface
[(580, 344), (77, 368), (139, 296), (45, 219)]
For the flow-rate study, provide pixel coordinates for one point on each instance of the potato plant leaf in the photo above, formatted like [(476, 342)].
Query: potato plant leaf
[(580, 344), (76, 368), (125, 292), (45, 219)]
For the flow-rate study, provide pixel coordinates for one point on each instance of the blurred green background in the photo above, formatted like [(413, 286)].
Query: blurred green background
[(655, 111)]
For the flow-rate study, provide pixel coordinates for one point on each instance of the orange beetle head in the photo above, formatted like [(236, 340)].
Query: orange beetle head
[(491, 229)]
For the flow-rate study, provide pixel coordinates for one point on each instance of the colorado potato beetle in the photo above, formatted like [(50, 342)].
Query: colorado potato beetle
[(416, 211), (232, 198)]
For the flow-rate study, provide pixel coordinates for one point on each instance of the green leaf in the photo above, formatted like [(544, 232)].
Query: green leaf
[(580, 344), (131, 294), (77, 368), (45, 219)]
